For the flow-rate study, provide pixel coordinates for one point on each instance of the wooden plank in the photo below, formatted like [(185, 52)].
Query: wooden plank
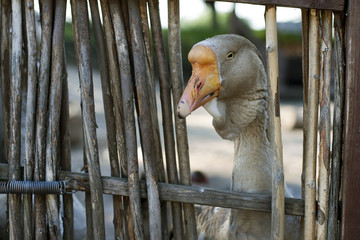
[(274, 131), (335, 5), (351, 176), (311, 125), (14, 147), (179, 193)]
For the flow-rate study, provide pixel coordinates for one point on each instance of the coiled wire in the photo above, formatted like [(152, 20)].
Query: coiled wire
[(33, 187)]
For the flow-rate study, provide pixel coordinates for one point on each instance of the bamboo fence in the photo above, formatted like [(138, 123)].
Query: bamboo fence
[(125, 46)]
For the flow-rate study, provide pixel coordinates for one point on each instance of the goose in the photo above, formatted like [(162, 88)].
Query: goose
[(229, 80)]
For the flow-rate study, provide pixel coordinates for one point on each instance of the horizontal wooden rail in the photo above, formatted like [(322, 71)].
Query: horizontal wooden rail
[(181, 193), (335, 5)]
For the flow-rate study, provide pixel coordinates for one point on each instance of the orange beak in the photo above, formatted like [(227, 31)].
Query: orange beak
[(204, 83)]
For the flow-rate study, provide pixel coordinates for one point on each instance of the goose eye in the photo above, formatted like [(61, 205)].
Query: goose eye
[(230, 55)]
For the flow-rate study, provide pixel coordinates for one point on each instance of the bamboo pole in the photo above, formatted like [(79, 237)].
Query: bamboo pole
[(312, 123), (176, 76), (109, 115), (159, 162), (145, 120), (165, 96), (339, 56), (53, 131), (130, 166), (278, 200), (42, 114), (30, 114), (65, 155), (324, 126), (305, 73), (82, 46), (14, 200), (5, 70)]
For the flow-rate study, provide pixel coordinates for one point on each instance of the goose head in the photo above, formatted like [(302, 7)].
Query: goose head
[(228, 79)]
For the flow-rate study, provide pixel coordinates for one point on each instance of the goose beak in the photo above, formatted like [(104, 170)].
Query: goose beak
[(204, 83)]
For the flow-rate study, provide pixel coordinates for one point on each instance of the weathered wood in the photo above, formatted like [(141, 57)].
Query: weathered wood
[(109, 115), (30, 114), (130, 166), (351, 177), (5, 71), (324, 126), (14, 148), (274, 129), (165, 97), (42, 114), (312, 123), (82, 46), (176, 76), (65, 155), (145, 120), (339, 76), (180, 193), (159, 162), (305, 74), (336, 5), (54, 221)]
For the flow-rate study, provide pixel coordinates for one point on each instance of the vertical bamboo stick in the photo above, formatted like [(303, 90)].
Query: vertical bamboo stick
[(145, 120), (160, 169), (165, 96), (278, 200), (82, 46), (30, 114), (324, 127), (14, 200), (305, 73), (109, 115), (339, 56), (65, 155), (42, 114), (57, 61), (130, 167), (5, 70), (176, 76), (312, 123)]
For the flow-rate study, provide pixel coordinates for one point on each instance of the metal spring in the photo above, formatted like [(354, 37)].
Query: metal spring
[(33, 187)]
